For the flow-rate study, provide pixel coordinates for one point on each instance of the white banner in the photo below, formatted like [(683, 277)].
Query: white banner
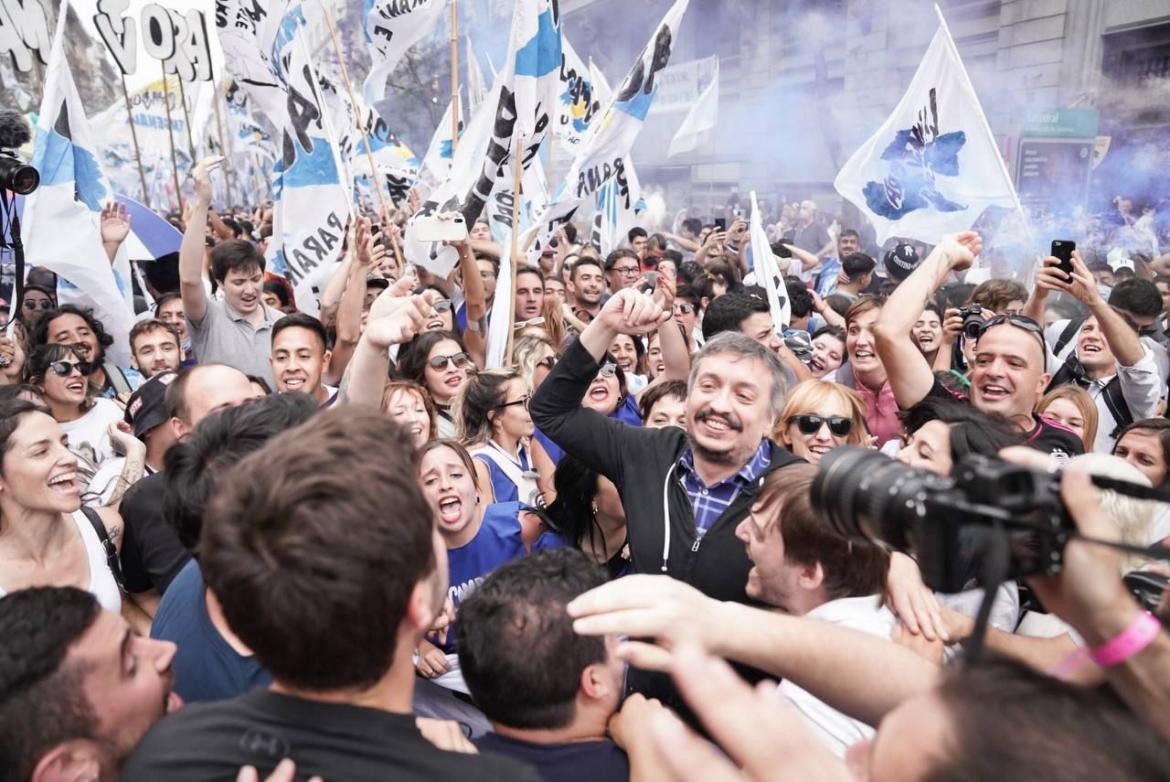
[(680, 85), (700, 120), (765, 268), (391, 28)]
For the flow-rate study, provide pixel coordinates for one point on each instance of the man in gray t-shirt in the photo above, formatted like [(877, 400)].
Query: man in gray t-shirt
[(238, 330)]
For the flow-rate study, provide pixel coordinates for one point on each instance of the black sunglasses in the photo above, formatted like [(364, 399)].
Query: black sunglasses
[(460, 360), (839, 426), (1022, 322), (35, 304), (66, 368)]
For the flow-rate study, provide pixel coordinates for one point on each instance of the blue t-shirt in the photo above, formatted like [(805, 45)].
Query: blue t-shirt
[(498, 541), (505, 488), (577, 761), (206, 667), (627, 412)]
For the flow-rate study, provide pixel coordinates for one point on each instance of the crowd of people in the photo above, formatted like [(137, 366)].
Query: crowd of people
[(283, 545)]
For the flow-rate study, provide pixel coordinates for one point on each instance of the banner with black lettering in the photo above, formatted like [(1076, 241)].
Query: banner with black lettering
[(601, 156), (518, 113), (391, 28)]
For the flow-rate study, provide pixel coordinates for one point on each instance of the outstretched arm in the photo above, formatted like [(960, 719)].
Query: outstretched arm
[(909, 372), (191, 250)]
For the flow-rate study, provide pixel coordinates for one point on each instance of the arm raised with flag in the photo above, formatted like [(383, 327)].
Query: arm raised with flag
[(909, 373)]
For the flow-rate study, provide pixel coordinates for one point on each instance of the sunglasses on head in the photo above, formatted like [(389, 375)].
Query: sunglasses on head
[(66, 368), (1022, 322), (839, 426), (37, 304), (460, 360)]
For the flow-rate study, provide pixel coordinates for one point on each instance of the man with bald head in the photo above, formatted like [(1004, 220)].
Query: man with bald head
[(151, 552)]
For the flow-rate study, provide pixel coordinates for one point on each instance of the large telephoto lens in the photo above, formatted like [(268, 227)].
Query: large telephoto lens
[(17, 176), (867, 495)]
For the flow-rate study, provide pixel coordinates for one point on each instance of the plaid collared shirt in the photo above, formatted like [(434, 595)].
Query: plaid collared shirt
[(710, 502)]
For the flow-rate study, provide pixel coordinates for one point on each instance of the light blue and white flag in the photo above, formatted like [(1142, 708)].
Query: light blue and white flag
[(61, 227), (934, 166), (696, 127), (581, 100), (391, 28), (436, 165), (618, 204), (518, 113), (601, 158), (477, 88)]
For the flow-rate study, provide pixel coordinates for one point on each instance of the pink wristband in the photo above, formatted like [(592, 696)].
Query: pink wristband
[(1141, 632)]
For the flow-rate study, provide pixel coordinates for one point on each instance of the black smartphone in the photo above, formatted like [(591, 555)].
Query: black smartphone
[(1062, 249), (720, 223)]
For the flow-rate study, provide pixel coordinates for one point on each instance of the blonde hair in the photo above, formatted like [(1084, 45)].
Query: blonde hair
[(526, 350), (808, 396), (1079, 397), (394, 387), (1132, 517)]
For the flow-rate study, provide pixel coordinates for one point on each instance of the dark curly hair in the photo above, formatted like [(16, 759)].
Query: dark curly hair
[(40, 335)]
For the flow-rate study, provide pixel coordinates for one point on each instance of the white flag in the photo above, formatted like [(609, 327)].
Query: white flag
[(580, 101), (392, 27), (765, 268), (934, 166), (602, 156), (477, 88), (61, 222), (502, 306), (436, 165), (619, 202), (701, 119), (517, 114)]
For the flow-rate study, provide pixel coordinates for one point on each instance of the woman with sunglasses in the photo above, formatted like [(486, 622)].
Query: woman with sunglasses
[(493, 423), (439, 362), (818, 417), (86, 420), (46, 537)]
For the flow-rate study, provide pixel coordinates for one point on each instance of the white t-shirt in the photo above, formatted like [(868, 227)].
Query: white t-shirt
[(837, 731), (89, 438)]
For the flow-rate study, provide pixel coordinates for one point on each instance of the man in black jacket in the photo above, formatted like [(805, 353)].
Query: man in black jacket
[(683, 492)]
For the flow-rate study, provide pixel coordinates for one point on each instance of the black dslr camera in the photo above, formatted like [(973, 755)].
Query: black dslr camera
[(15, 174), (972, 316), (947, 522)]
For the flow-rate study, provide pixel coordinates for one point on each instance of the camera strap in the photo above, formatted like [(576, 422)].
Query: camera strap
[(10, 219)]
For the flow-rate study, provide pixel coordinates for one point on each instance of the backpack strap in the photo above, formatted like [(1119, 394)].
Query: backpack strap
[(1114, 400), (1070, 331), (112, 560)]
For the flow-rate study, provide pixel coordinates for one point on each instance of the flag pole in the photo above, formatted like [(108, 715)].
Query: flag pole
[(171, 134), (186, 117), (454, 76), (134, 138), (517, 174), (223, 145), (365, 135), (987, 127)]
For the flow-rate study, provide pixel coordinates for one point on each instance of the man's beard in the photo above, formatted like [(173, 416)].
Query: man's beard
[(727, 457)]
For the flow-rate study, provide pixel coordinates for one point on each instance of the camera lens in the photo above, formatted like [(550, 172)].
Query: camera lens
[(17, 176), (866, 495)]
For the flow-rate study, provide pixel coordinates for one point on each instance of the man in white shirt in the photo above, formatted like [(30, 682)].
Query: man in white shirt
[(1110, 361), (804, 569)]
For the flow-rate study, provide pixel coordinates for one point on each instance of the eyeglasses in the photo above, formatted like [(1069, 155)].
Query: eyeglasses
[(66, 368), (37, 304), (548, 362), (1021, 322), (442, 305), (839, 426), (628, 271), (460, 360), (522, 401), (608, 369), (682, 308)]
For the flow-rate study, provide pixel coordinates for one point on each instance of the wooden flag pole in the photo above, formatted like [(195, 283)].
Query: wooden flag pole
[(517, 174), (454, 76), (365, 136), (134, 138), (186, 118), (223, 145), (171, 135)]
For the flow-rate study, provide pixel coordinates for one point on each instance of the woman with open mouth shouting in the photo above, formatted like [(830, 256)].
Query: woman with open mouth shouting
[(61, 375), (479, 536), (46, 537)]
